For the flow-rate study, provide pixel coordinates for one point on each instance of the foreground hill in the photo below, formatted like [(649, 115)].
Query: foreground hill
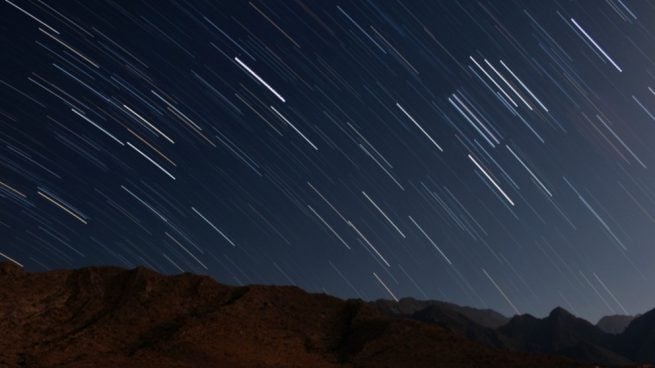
[(111, 317)]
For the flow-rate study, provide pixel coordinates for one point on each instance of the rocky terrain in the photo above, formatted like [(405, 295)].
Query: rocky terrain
[(111, 317)]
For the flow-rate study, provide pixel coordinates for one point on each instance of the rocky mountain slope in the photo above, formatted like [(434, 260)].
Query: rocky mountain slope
[(111, 317)]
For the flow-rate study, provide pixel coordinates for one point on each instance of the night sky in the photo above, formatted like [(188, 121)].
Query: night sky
[(496, 154)]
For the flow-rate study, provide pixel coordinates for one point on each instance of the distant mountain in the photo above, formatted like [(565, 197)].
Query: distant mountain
[(615, 340), (614, 324), (474, 324), (559, 333), (563, 334), (453, 320), (111, 317), (560, 329), (406, 307)]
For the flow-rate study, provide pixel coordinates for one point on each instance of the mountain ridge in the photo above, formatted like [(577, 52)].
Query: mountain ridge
[(108, 317), (407, 306), (560, 332)]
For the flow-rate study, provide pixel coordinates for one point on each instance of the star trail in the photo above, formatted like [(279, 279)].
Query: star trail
[(496, 154)]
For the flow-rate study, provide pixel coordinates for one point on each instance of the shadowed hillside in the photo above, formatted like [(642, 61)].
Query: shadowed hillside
[(110, 317), (560, 333)]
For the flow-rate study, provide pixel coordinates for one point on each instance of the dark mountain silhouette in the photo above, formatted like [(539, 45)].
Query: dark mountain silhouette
[(455, 321), (614, 324), (563, 334), (559, 333), (638, 339), (406, 307), (558, 330), (111, 317)]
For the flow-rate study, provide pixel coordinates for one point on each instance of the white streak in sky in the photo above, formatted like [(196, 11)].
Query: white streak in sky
[(213, 226), (385, 287), (501, 291), (259, 79), (491, 180), (597, 46), (418, 126)]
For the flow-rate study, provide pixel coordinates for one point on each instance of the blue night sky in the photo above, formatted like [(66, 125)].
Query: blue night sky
[(496, 154)]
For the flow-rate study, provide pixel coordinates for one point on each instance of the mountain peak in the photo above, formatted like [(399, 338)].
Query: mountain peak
[(560, 313)]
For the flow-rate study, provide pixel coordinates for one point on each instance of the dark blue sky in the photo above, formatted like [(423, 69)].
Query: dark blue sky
[(495, 154)]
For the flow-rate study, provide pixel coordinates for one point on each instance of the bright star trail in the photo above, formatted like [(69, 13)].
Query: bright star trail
[(496, 154)]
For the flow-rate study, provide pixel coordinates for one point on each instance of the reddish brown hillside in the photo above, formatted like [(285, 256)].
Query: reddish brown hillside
[(110, 317)]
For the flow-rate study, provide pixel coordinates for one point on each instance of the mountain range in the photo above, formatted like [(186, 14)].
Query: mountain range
[(616, 340), (112, 317)]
